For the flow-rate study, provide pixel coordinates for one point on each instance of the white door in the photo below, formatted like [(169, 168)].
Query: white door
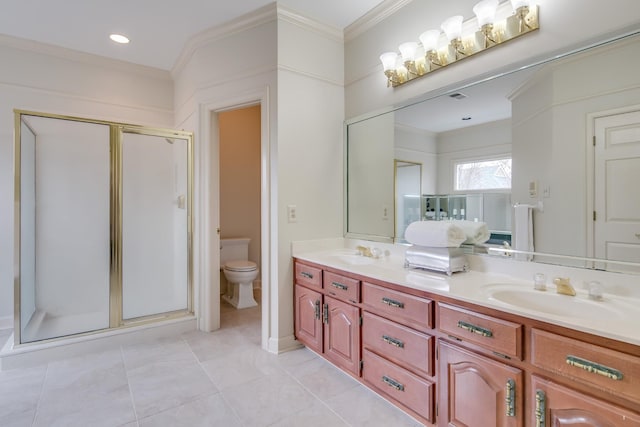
[(617, 187)]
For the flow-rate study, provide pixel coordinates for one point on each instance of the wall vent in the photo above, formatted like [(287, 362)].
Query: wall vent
[(458, 95)]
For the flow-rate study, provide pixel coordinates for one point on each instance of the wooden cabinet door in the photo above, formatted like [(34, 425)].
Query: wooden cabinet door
[(476, 391), (557, 406), (308, 317), (342, 334)]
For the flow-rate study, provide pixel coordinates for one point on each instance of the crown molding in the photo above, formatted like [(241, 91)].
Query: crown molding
[(373, 17), (266, 14), (250, 20), (82, 57), (296, 18)]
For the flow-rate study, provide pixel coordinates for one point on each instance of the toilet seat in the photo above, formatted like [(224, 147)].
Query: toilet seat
[(240, 265)]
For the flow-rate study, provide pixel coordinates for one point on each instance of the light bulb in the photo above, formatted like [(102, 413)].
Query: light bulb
[(388, 60), (485, 11), (452, 27), (408, 51), (429, 40)]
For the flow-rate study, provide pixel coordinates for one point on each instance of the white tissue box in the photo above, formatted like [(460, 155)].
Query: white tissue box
[(445, 260)]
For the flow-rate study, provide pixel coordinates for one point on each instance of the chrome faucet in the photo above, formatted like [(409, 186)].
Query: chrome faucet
[(563, 286)]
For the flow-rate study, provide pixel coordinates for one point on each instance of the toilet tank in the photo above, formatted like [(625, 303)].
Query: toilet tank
[(236, 248)]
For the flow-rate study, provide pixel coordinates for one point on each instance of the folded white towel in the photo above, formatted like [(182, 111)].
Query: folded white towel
[(476, 232), (438, 234)]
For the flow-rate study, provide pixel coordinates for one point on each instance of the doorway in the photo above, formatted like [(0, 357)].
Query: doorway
[(239, 133)]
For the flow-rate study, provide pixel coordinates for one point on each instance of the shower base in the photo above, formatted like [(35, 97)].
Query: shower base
[(38, 353)]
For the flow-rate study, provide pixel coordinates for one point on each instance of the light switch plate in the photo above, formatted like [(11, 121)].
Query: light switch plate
[(292, 214)]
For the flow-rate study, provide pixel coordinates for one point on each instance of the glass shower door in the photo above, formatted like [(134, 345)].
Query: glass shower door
[(155, 225), (64, 227)]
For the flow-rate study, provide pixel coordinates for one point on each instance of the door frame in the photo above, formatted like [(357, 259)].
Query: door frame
[(208, 213)]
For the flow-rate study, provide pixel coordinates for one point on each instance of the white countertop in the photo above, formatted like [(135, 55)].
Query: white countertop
[(616, 317)]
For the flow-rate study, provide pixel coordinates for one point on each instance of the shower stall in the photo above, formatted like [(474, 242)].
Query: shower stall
[(103, 226)]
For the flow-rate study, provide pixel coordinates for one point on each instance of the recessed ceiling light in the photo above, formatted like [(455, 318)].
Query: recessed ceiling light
[(119, 38)]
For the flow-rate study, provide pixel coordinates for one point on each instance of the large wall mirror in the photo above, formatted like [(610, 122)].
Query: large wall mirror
[(570, 127)]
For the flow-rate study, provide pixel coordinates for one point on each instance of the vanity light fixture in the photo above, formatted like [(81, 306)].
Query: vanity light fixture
[(485, 12), (119, 38), (495, 23), (452, 28)]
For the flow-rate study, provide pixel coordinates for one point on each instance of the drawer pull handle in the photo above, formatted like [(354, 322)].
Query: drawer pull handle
[(595, 368), (393, 341), (307, 275), (392, 383), (541, 408), (339, 286), (317, 309), (475, 329), (392, 302), (510, 400)]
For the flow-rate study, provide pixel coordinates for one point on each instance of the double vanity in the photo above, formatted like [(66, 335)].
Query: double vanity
[(478, 348)]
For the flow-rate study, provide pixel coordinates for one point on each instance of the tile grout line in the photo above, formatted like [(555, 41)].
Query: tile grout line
[(315, 397), (44, 379), (126, 373)]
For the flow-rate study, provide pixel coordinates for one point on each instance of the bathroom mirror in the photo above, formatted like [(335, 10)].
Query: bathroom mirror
[(546, 118), (407, 194)]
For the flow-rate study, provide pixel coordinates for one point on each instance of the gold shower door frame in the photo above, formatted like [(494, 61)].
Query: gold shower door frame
[(116, 134)]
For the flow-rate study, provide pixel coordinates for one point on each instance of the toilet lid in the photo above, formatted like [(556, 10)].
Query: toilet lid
[(240, 265)]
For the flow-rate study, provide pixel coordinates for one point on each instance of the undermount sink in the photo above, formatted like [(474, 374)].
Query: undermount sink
[(353, 259), (550, 302)]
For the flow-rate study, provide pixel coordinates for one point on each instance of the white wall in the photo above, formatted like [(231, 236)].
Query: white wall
[(563, 25), (49, 79), (310, 146), (416, 145)]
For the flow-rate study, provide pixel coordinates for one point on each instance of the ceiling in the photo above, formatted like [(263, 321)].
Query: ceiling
[(158, 29), (481, 103)]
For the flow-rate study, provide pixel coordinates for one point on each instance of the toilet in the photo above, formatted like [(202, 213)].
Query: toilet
[(239, 271)]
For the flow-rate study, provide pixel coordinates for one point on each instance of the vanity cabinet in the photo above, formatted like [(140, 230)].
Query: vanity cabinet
[(557, 406), (325, 323), (477, 391), (398, 356), (448, 362)]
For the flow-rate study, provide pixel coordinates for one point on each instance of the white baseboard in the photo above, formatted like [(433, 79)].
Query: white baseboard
[(281, 345)]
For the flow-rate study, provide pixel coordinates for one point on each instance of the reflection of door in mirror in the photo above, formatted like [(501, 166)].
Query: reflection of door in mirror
[(616, 200), (408, 178)]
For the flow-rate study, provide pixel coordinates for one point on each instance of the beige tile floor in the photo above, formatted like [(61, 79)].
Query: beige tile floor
[(222, 378)]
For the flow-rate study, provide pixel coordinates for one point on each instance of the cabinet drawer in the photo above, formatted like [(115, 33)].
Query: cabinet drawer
[(587, 363), (344, 288), (308, 276), (499, 336), (406, 347), (400, 385), (407, 309)]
